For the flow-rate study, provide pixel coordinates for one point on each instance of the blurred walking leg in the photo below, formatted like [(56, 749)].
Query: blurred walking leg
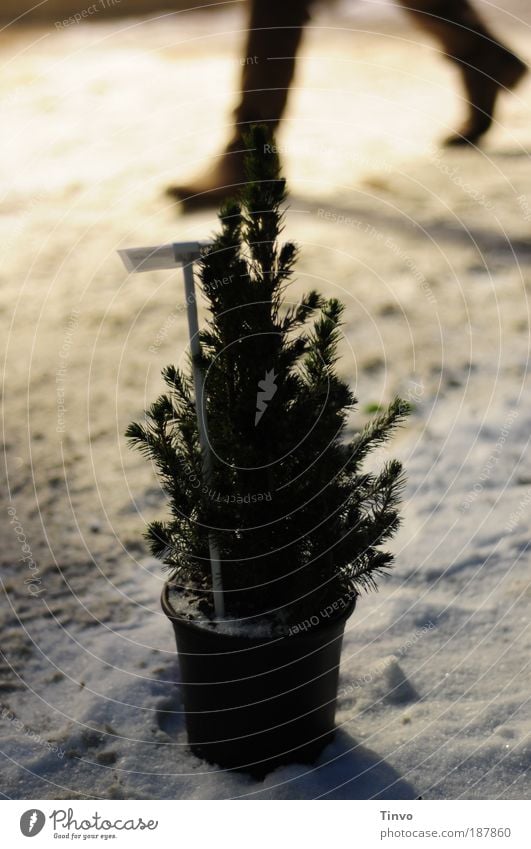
[(487, 66), (274, 37)]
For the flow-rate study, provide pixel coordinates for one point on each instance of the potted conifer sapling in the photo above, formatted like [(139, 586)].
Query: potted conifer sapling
[(297, 522)]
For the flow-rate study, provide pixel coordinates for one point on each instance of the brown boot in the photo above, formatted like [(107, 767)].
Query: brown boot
[(221, 181), (487, 66), (484, 78), (274, 37)]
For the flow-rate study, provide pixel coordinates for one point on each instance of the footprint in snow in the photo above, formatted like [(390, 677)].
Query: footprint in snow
[(170, 716)]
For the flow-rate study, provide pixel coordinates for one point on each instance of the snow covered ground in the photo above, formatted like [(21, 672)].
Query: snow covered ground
[(430, 252)]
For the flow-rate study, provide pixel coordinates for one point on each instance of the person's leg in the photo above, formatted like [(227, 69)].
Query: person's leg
[(274, 36), (487, 66)]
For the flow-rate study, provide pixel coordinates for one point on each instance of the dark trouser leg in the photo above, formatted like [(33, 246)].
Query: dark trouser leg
[(275, 34), (486, 65), (268, 65)]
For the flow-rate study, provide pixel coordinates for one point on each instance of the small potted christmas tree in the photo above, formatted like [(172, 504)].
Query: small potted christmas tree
[(296, 523)]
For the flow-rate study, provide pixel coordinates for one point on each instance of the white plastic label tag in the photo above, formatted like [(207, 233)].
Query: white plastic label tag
[(158, 257)]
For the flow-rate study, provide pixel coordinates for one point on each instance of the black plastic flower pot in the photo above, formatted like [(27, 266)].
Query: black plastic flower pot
[(254, 704)]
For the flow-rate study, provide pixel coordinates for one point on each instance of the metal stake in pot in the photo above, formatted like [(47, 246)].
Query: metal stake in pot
[(184, 254)]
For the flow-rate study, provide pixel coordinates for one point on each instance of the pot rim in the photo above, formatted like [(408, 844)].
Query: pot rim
[(303, 636)]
